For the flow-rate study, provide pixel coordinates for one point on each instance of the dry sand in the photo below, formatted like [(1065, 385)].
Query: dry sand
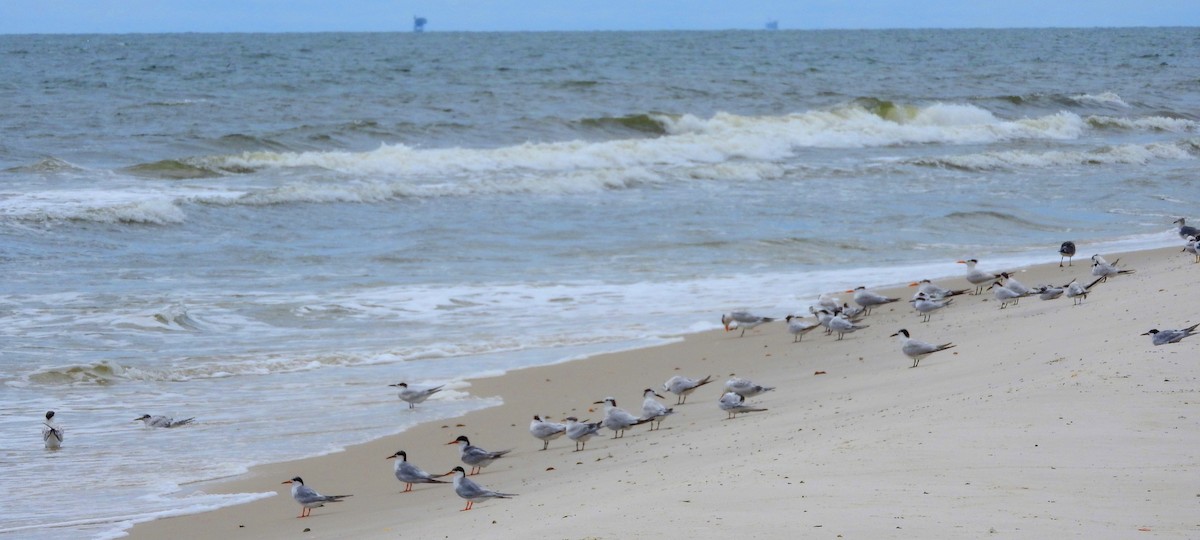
[(1047, 420)]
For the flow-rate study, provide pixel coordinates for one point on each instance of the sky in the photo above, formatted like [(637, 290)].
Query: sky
[(162, 16)]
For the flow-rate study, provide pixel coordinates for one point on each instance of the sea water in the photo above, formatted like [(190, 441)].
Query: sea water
[(263, 230)]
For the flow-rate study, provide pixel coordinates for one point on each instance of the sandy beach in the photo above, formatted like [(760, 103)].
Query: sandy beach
[(1046, 420)]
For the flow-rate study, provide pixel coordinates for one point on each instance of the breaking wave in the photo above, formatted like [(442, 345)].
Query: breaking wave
[(1013, 159)]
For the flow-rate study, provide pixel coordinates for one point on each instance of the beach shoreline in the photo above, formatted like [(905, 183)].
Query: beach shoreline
[(1038, 422)]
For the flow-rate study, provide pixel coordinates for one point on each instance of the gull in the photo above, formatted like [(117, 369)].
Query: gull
[(745, 387), (652, 410), (52, 435), (1191, 248), (475, 456), (733, 404), (416, 395), (308, 498), (1004, 294), (411, 474), (1186, 231), (917, 349), (933, 291), (744, 319), (1067, 251), (472, 492), (1013, 285), (617, 419), (682, 386), (976, 276), (842, 326), (868, 299), (1163, 337), (1048, 292), (799, 326), (1078, 292), (926, 306), (1103, 269), (545, 430), (580, 432), (162, 421)]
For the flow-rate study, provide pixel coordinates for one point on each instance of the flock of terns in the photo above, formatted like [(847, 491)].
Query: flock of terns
[(829, 313)]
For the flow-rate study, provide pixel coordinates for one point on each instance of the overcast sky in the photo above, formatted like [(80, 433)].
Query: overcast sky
[(122, 16)]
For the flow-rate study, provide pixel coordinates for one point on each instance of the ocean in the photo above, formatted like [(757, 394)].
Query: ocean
[(264, 230)]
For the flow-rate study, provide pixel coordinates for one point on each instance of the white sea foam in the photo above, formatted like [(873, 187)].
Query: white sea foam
[(1122, 154)]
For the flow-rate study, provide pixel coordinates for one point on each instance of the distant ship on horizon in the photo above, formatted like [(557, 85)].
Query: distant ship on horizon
[(773, 24), (419, 23)]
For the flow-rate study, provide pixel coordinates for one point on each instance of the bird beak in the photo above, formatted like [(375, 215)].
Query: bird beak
[(452, 442), (286, 482), (894, 335), (913, 284), (389, 457), (656, 394), (850, 291), (962, 262), (597, 403)]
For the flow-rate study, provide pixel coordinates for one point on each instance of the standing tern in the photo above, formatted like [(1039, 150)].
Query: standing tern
[(926, 306), (416, 395), (933, 291), (1048, 292), (162, 421), (472, 492), (308, 498), (546, 431), (1004, 294), (744, 319), (1186, 231), (976, 276), (411, 474), (1191, 248), (475, 456), (1163, 337), (843, 326), (52, 435), (799, 326), (868, 299), (1078, 292), (733, 404), (1066, 251), (580, 432), (1013, 285), (618, 419), (652, 410), (745, 387), (1104, 269), (917, 349), (682, 386)]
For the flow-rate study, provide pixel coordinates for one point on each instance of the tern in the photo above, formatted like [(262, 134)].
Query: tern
[(976, 276), (472, 492), (829, 302), (682, 386), (1191, 248), (618, 419), (162, 421), (744, 319), (308, 498), (1078, 292), (843, 326), (475, 456), (933, 291), (1104, 269), (545, 430), (1048, 292), (411, 474), (917, 349), (415, 395), (1067, 251), (52, 435), (745, 387), (868, 299), (799, 326), (580, 432), (1186, 231), (1004, 294), (1013, 285), (1163, 337), (654, 411), (733, 404), (926, 306)]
